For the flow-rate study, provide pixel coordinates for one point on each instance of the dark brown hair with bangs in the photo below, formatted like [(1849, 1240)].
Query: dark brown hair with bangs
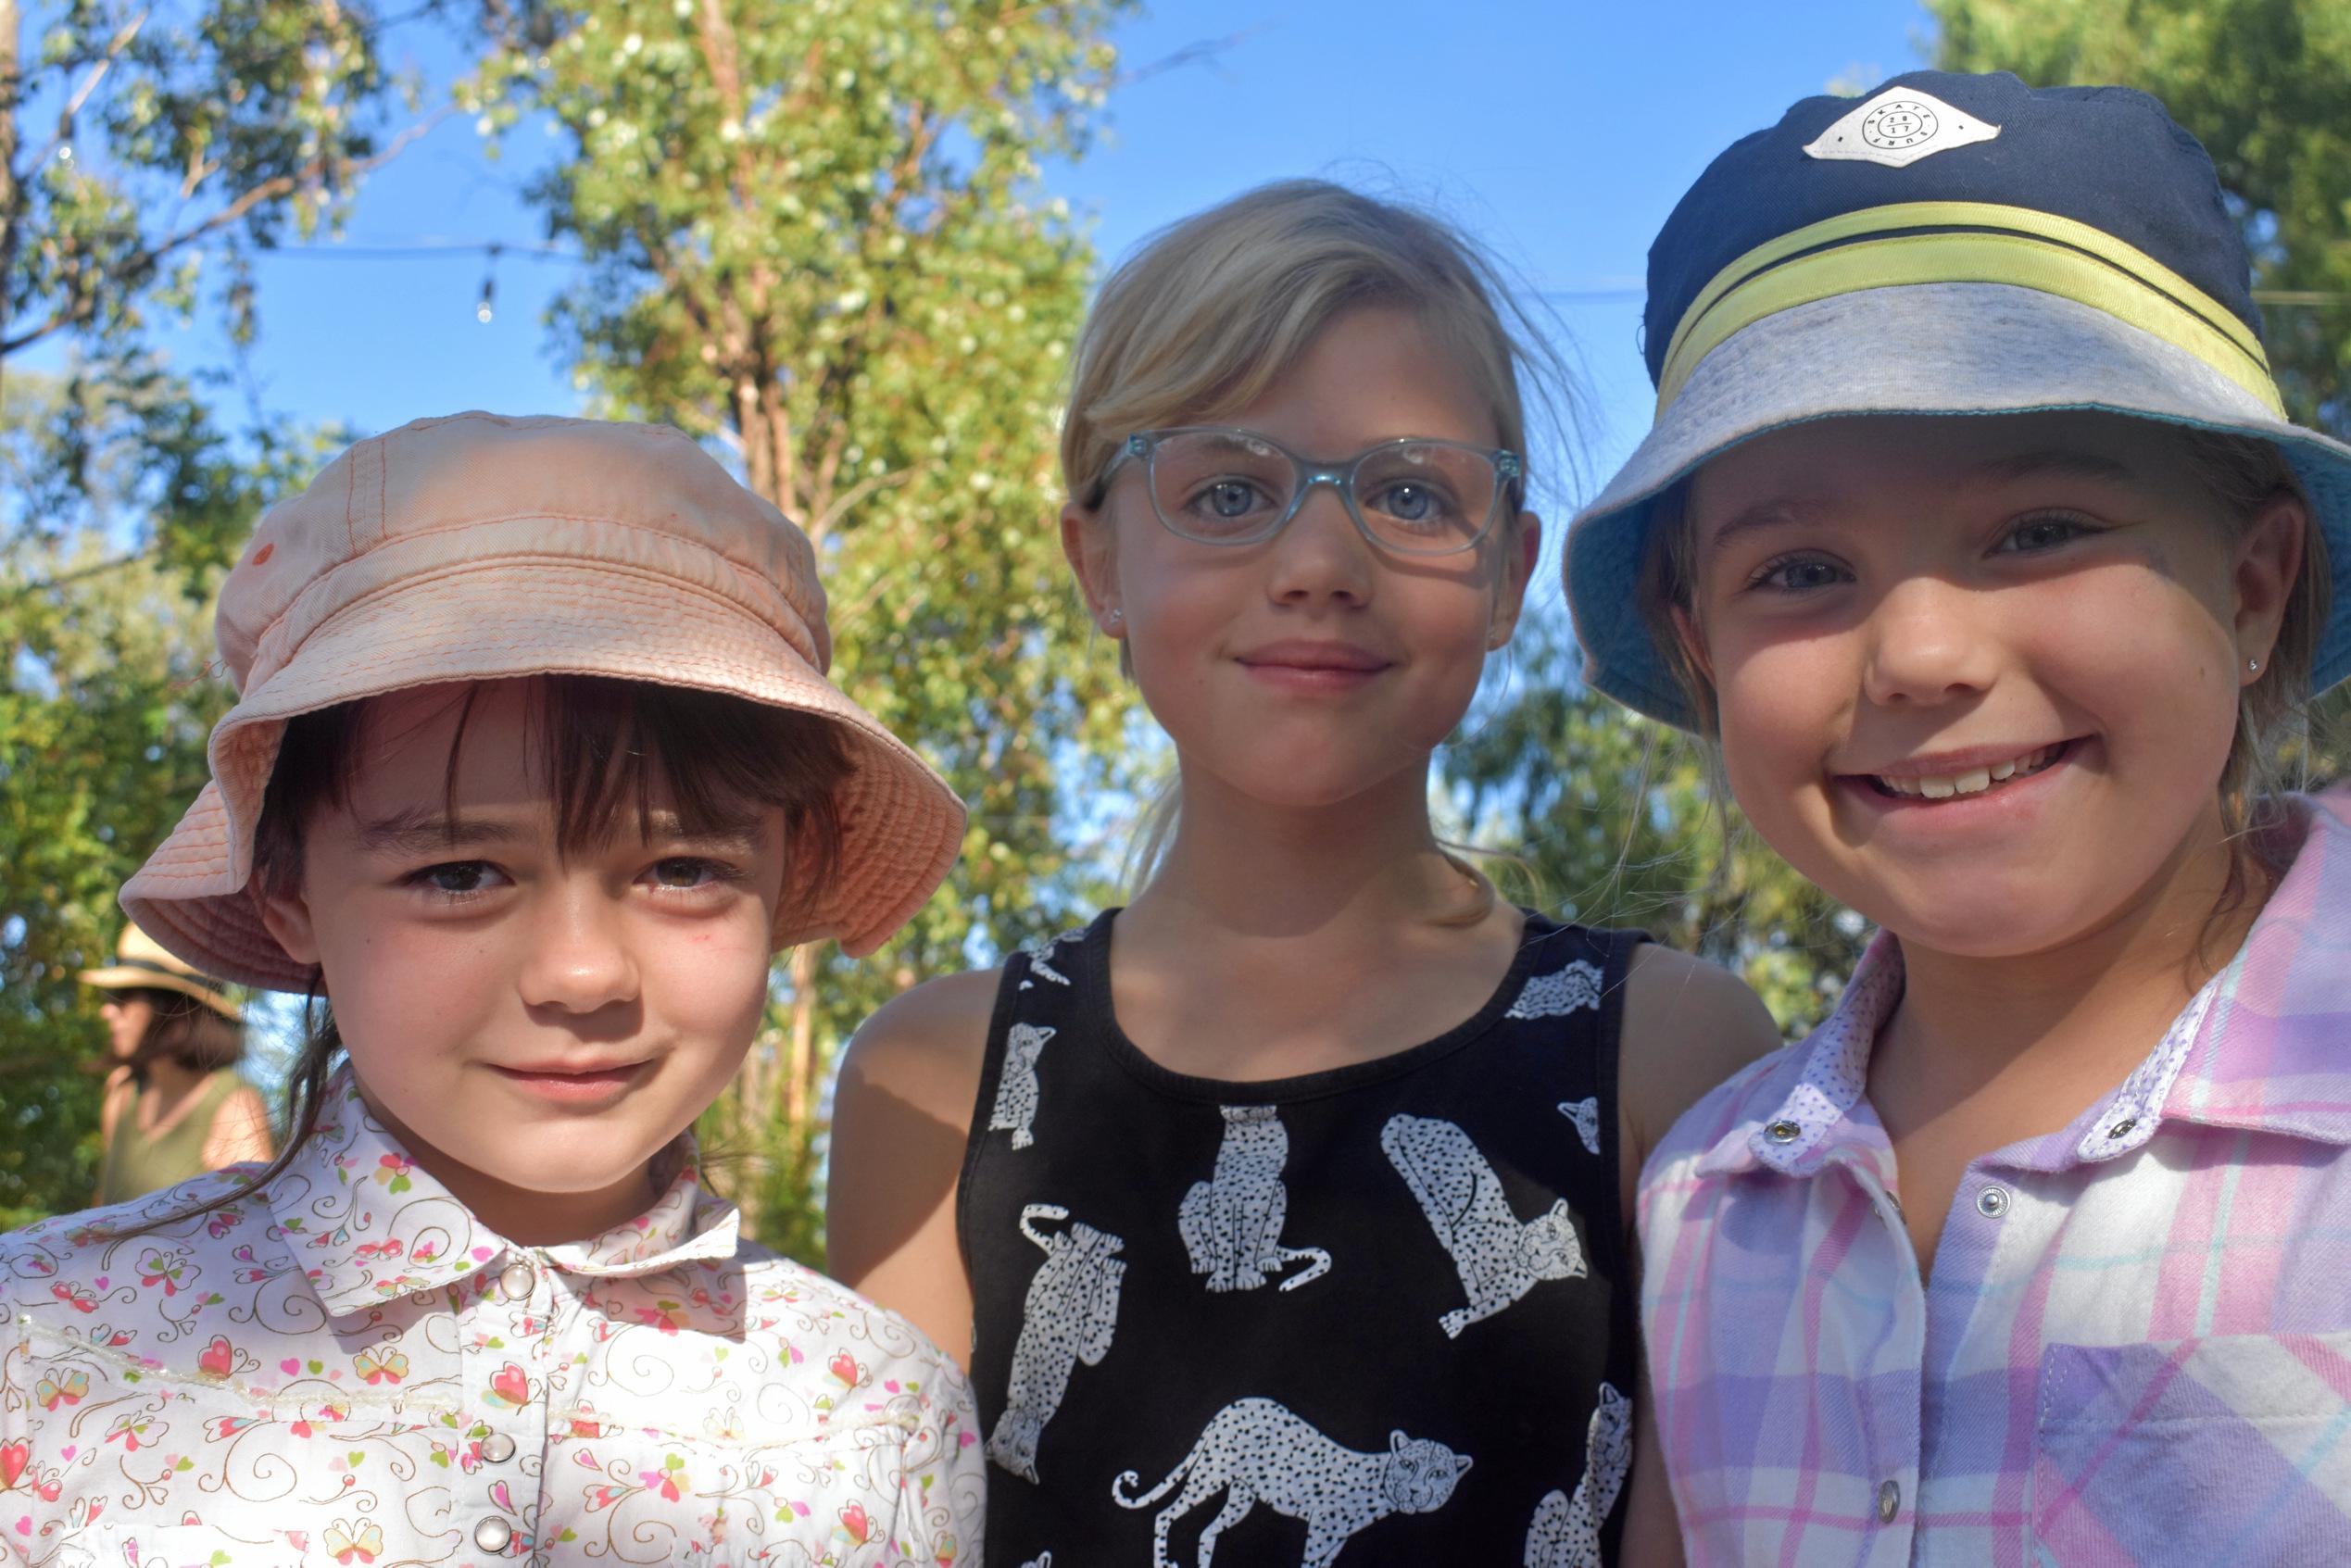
[(181, 1030), (603, 749)]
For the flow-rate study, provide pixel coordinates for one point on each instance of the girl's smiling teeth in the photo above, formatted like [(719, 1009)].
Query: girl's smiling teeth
[(1969, 781)]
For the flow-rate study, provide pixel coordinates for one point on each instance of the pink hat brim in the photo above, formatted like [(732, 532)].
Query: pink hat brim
[(901, 827)]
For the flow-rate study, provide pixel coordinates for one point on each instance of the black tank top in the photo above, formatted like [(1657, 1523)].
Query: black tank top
[(1384, 1308)]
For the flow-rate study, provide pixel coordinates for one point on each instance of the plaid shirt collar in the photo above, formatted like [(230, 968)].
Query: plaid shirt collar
[(371, 1223), (1805, 1109)]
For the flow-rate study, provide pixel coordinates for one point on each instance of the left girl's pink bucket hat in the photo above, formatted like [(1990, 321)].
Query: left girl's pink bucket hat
[(478, 548)]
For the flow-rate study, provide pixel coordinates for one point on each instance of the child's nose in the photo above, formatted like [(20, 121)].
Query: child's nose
[(581, 960), (1321, 555), (1929, 641)]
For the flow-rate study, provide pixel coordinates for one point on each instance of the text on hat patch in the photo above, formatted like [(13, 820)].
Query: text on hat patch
[(1898, 127)]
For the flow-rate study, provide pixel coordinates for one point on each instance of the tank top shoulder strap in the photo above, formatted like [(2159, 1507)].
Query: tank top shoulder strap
[(1574, 1004), (1039, 1000)]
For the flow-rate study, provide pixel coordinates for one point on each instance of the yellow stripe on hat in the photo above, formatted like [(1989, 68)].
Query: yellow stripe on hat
[(1979, 243)]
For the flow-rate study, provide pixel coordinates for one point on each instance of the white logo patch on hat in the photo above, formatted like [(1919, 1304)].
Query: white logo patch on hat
[(1900, 126)]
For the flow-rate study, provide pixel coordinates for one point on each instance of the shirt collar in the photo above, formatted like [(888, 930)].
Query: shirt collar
[(2259, 1047), (2267, 1054), (1806, 1106), (369, 1223)]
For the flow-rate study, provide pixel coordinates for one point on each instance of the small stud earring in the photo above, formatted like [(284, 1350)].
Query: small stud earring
[(1113, 617), (2253, 666)]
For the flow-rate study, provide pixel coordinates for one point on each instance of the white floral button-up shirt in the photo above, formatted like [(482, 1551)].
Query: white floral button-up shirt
[(351, 1368)]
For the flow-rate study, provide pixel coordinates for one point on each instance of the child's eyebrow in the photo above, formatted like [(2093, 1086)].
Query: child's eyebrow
[(2059, 463), (741, 834), (1778, 513), (419, 832)]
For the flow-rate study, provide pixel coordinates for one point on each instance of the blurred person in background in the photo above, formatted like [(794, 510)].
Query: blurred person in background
[(175, 1104)]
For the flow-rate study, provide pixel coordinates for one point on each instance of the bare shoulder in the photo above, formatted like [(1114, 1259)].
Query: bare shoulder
[(925, 1047), (114, 1098), (240, 1129), (1687, 1025), (902, 1112)]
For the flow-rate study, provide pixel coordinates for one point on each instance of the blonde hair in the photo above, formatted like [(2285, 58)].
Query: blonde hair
[(2244, 475), (1211, 310), (1214, 309)]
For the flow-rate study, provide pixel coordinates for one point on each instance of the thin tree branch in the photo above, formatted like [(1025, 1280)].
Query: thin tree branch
[(872, 485), (121, 42), (79, 574), (1189, 55), (86, 305)]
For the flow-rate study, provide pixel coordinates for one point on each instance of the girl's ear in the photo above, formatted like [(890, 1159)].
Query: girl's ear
[(1092, 553), (1517, 571), (2269, 561), (286, 916)]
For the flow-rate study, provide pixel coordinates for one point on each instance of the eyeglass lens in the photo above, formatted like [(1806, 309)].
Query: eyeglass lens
[(1227, 487)]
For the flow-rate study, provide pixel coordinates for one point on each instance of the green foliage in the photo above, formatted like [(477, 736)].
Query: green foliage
[(1602, 815), (2266, 85), (123, 503), (135, 143), (812, 235), (132, 134), (103, 715)]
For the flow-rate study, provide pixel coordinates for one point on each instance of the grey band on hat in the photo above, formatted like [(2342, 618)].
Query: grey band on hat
[(1943, 348)]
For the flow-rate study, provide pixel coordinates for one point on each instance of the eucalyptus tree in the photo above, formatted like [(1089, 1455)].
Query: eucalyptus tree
[(817, 233)]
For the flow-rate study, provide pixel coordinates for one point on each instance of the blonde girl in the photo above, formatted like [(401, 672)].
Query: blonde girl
[(1284, 1209), (1974, 532), (533, 769)]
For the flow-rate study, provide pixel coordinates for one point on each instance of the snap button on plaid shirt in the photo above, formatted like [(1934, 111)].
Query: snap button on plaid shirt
[(2136, 1343)]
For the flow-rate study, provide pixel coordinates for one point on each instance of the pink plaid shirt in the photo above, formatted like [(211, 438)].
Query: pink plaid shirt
[(2136, 1343)]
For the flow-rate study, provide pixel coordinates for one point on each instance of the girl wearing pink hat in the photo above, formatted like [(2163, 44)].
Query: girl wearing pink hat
[(534, 769), (1288, 1207)]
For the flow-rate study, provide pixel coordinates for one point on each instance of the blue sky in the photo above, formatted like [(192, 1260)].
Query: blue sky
[(1561, 133)]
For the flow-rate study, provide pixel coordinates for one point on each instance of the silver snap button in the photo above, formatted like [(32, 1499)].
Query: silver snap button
[(2122, 1129), (492, 1533), (497, 1448), (1991, 1202), (1783, 1130), (514, 1281), (1889, 1502)]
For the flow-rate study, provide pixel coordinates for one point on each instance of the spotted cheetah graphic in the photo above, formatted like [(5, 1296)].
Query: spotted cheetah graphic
[(1498, 1258), (1255, 1452), (1068, 1317), (1015, 1110), (1585, 1115), (1232, 1222), (1566, 1533), (1040, 963), (1573, 989)]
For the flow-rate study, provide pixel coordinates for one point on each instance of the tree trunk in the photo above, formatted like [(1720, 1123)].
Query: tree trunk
[(801, 1066), (775, 1091), (11, 195)]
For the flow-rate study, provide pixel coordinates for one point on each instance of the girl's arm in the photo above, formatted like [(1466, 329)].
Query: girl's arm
[(1687, 1025), (240, 1131), (901, 1114)]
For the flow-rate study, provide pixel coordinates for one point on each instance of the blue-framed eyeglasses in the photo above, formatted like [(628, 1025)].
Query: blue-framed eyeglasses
[(1218, 486)]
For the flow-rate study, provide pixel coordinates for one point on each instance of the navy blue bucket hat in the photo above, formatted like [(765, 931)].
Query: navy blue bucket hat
[(1947, 244)]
